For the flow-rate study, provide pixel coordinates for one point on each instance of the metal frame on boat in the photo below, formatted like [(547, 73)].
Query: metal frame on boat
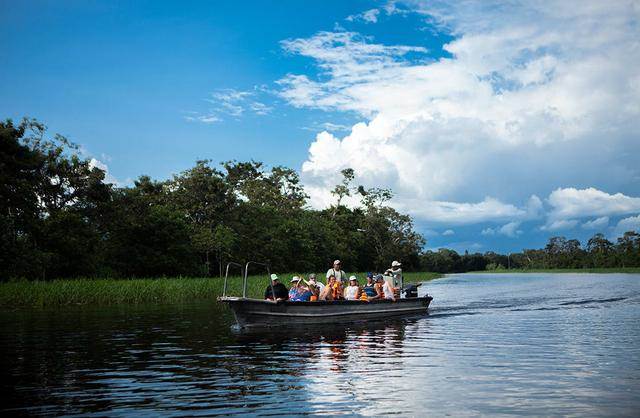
[(264, 313)]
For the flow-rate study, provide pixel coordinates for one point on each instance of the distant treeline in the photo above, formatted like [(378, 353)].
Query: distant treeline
[(59, 219), (559, 253)]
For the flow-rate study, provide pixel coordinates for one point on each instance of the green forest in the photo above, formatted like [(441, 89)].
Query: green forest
[(59, 219)]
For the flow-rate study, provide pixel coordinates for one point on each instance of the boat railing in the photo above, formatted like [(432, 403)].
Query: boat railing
[(226, 275), (246, 275)]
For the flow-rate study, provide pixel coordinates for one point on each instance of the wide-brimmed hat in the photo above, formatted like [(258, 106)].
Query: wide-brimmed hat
[(396, 264), (295, 279), (274, 277)]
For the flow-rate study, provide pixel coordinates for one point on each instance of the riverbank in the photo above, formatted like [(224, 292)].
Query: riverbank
[(630, 270), (25, 294)]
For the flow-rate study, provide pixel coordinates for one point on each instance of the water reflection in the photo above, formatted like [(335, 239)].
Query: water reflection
[(491, 345)]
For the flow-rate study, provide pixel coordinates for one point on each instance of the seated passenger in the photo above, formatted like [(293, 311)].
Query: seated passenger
[(315, 287), (333, 289), (314, 282), (299, 292), (276, 290), (388, 291), (379, 286), (368, 290), (352, 291)]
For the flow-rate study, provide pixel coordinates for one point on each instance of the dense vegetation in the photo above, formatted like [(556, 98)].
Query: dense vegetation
[(59, 219), (559, 253), (92, 292)]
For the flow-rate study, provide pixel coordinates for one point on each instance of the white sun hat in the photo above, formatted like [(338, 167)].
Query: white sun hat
[(353, 278), (295, 279), (395, 264)]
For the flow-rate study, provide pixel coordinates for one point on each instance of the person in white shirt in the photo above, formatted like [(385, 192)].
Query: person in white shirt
[(352, 292), (387, 289), (337, 271), (314, 282), (396, 272)]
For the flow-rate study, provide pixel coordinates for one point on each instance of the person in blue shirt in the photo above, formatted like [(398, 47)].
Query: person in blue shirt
[(369, 288), (299, 292)]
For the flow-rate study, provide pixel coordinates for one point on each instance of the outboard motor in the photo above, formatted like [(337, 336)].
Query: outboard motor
[(411, 290)]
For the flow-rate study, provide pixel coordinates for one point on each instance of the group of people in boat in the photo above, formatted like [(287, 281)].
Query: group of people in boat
[(337, 287)]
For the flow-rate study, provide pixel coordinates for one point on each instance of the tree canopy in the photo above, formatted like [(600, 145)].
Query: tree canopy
[(58, 218)]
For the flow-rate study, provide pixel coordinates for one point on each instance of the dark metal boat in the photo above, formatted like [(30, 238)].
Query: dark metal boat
[(264, 313), (255, 312)]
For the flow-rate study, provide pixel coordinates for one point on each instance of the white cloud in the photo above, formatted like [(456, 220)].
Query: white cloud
[(627, 224), (575, 203), (448, 232), (108, 177), (531, 92), (509, 230), (327, 126), (230, 103), (560, 225), (369, 16), (204, 118), (461, 247), (598, 223)]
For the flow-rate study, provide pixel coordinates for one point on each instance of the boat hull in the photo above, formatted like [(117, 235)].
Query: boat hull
[(264, 313)]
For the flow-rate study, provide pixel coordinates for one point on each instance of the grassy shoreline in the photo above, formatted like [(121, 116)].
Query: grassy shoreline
[(630, 270), (25, 294)]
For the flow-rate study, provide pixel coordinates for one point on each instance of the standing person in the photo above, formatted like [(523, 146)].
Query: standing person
[(337, 271), (396, 272), (352, 292), (276, 290)]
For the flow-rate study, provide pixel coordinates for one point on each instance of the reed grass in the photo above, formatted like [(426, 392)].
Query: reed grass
[(38, 294)]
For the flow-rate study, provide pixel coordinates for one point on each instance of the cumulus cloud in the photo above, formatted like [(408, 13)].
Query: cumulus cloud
[(509, 230), (448, 232), (528, 94), (576, 203), (108, 177), (598, 223), (560, 225), (631, 223)]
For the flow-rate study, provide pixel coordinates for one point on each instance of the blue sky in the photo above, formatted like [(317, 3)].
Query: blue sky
[(496, 124)]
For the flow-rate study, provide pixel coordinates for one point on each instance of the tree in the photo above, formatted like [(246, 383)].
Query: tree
[(601, 251), (46, 186), (628, 249), (343, 189)]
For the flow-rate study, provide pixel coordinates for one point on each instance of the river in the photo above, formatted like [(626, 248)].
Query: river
[(492, 344)]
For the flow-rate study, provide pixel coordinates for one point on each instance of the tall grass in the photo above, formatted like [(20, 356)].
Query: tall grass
[(137, 291)]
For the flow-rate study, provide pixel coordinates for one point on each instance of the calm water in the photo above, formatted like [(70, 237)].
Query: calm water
[(492, 345)]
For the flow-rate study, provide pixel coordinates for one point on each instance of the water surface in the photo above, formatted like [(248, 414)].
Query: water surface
[(504, 344)]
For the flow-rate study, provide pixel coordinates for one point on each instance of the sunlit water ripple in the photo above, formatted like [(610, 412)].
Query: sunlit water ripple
[(535, 344)]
